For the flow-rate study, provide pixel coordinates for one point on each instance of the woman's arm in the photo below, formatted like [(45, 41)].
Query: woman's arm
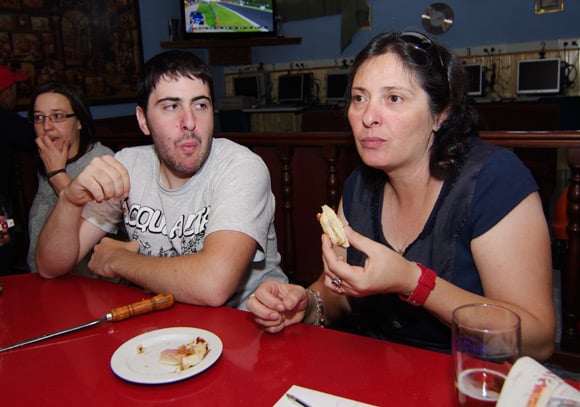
[(513, 259)]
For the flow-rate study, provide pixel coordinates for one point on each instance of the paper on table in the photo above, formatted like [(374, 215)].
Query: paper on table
[(529, 384), (316, 398)]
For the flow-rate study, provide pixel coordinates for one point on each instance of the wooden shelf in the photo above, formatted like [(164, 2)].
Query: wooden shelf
[(230, 51), (231, 42)]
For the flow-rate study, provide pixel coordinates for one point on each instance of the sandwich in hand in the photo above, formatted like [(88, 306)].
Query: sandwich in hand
[(332, 226)]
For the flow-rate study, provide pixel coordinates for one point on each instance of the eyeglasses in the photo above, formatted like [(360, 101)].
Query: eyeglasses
[(424, 44), (53, 117)]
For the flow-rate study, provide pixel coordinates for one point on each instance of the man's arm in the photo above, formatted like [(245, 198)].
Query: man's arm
[(209, 277), (65, 237)]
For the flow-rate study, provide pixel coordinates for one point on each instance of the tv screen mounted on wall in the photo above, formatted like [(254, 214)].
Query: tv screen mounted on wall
[(228, 19), (539, 76)]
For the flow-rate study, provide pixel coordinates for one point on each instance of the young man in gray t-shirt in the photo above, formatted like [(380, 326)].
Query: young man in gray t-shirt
[(199, 212)]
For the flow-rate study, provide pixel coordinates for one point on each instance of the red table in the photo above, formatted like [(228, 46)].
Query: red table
[(255, 368)]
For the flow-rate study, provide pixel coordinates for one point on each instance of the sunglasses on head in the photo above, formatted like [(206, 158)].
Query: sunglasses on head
[(423, 44)]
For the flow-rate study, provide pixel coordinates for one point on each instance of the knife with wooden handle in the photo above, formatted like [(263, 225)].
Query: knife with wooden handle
[(157, 303)]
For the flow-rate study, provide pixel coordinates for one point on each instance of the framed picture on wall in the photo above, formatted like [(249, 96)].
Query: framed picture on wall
[(93, 43), (548, 6)]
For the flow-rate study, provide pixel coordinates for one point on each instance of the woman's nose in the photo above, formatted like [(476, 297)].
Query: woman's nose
[(371, 117), (47, 124)]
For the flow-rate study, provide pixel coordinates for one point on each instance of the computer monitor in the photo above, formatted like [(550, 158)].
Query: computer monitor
[(295, 88), (474, 74), (252, 84), (336, 83), (539, 76)]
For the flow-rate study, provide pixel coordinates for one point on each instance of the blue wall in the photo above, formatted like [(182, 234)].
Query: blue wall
[(477, 23)]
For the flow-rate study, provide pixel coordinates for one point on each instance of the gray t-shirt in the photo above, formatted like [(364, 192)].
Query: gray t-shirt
[(231, 191), (45, 201)]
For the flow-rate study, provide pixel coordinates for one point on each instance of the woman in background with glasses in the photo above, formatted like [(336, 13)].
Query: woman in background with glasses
[(437, 217), (65, 133)]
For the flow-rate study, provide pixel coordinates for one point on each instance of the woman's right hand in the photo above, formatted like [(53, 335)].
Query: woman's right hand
[(52, 157), (384, 270), (277, 305)]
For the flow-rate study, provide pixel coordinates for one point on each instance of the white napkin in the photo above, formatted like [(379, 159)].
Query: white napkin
[(531, 384), (315, 398)]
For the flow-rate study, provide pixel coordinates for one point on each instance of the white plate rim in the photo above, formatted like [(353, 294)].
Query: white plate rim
[(158, 373)]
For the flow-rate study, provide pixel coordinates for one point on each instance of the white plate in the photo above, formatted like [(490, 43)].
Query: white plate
[(137, 360)]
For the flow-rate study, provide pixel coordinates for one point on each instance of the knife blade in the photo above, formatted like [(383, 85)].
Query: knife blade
[(157, 303)]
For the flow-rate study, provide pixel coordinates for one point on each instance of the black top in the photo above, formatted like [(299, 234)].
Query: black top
[(487, 184)]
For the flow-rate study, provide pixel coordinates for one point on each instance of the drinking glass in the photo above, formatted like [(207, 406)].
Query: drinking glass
[(486, 342)]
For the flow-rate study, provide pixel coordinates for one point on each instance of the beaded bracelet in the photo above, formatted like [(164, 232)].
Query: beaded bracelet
[(53, 173), (319, 320)]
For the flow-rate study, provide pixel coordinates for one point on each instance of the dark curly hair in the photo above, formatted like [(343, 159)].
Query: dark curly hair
[(442, 76)]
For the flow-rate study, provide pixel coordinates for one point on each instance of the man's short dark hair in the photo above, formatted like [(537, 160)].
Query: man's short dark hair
[(171, 64)]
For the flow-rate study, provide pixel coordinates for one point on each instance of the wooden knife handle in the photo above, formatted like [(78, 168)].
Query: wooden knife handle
[(157, 303)]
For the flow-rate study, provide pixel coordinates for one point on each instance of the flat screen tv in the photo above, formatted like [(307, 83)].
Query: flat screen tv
[(295, 88), (252, 84), (474, 74), (206, 19), (539, 76), (336, 83)]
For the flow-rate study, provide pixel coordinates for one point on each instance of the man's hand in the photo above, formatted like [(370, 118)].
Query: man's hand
[(107, 252), (103, 179)]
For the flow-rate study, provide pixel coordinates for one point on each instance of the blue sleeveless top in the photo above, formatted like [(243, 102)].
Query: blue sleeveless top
[(487, 183)]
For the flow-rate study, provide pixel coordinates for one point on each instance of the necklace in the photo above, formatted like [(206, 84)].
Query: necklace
[(403, 247)]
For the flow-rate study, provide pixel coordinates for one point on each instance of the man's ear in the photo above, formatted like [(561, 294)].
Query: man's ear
[(142, 121)]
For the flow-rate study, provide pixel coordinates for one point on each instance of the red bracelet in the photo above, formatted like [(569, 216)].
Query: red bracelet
[(424, 287)]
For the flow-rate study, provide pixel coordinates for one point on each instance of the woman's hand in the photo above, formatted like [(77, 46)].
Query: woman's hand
[(277, 305), (52, 157), (384, 271)]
